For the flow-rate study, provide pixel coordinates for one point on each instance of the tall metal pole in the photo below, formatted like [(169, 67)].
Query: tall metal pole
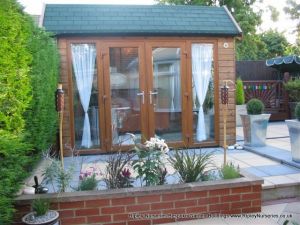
[(60, 110)]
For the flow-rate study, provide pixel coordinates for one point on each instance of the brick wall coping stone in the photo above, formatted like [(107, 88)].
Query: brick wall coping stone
[(246, 180)]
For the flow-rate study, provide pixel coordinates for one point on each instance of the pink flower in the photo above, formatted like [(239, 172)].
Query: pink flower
[(126, 173)]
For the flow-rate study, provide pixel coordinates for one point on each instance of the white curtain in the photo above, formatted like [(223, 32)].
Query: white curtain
[(201, 70), (175, 87), (83, 58)]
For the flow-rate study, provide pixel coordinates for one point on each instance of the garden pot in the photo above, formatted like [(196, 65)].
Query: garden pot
[(255, 129), (50, 218), (292, 106), (294, 130), (240, 110)]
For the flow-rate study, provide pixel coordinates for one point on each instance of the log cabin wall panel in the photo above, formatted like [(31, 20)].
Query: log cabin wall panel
[(145, 24), (64, 79), (225, 61)]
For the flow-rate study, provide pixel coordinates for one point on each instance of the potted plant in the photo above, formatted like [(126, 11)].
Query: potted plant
[(294, 130), (293, 89), (255, 123), (41, 215), (240, 101)]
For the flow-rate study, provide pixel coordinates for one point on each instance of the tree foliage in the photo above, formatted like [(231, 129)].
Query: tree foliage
[(275, 44), (274, 13), (293, 9), (243, 13)]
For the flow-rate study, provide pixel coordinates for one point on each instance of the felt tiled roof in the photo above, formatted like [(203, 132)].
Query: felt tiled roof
[(139, 20)]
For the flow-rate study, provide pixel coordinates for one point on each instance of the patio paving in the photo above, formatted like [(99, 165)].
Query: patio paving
[(272, 168), (273, 213), (274, 164)]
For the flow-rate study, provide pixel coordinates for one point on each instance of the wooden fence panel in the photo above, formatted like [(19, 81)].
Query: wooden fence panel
[(256, 70)]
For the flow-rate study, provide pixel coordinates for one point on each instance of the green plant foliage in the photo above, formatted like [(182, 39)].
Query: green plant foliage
[(41, 117), (255, 106), (88, 183), (243, 12), (191, 167), (229, 171), (239, 93), (149, 165), (275, 44), (57, 176), (293, 9), (25, 53), (14, 164), (116, 174), (293, 88), (297, 111), (40, 206), (15, 60)]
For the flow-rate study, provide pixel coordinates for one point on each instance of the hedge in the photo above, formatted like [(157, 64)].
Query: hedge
[(28, 77), (14, 66), (41, 117), (14, 163)]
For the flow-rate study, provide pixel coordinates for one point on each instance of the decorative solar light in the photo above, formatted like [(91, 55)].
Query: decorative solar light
[(59, 99), (224, 94), (224, 101)]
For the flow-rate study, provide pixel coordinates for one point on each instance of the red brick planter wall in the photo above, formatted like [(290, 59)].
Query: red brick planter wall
[(118, 207)]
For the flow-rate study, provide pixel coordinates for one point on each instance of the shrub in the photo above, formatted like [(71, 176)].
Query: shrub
[(57, 176), (88, 183), (191, 167), (40, 206), (15, 60), (149, 164), (41, 116), (239, 93), (293, 88), (14, 164), (117, 176), (297, 111), (255, 107), (229, 171)]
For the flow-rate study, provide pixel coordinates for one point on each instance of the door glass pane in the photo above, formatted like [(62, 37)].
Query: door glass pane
[(166, 93), (203, 92), (125, 98), (85, 92)]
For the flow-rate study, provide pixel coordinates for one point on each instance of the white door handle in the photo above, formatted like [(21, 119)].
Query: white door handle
[(150, 95), (142, 94)]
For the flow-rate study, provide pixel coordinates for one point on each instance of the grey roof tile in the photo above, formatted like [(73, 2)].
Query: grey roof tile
[(138, 19)]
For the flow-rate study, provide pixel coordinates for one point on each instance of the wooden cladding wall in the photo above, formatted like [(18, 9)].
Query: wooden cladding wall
[(224, 70)]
